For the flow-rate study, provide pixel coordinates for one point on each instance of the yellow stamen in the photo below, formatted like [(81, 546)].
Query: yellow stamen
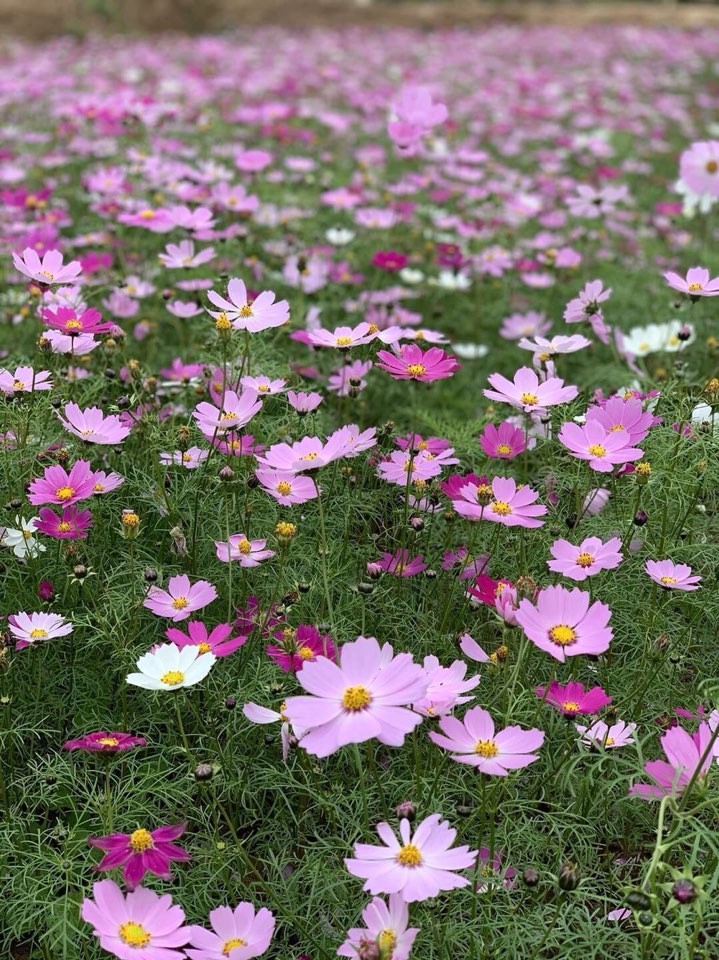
[(245, 547), (141, 840), (585, 560), (416, 369), (134, 934), (172, 677), (501, 508), (232, 945), (571, 706), (529, 398), (562, 635), (38, 633), (597, 450), (284, 487), (486, 748), (305, 653), (409, 856), (64, 493), (179, 603), (356, 698), (504, 448), (109, 741)]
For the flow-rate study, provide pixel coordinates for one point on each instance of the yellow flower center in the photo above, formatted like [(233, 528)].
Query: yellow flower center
[(409, 856), (669, 579), (501, 507), (47, 274), (387, 940), (504, 448), (571, 706), (562, 634), (712, 166), (228, 416), (246, 311), (609, 742), (306, 653), (223, 322), (27, 534), (597, 450), (486, 748), (38, 633), (416, 369), (585, 560), (73, 325), (344, 341), (147, 214), (18, 385), (356, 698), (141, 840), (284, 487), (131, 520), (204, 647), (695, 286), (109, 741), (186, 457), (530, 398), (244, 546), (310, 456), (172, 677), (373, 328), (545, 356), (64, 493), (179, 603), (134, 934), (232, 944), (64, 526), (263, 388)]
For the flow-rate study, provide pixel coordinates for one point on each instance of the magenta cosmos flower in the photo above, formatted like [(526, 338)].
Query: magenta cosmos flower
[(697, 283), (296, 648), (215, 641), (603, 448), (181, 598), (401, 564), (250, 553), (412, 363), (29, 628), (672, 576), (591, 556), (362, 697), (564, 623), (527, 393), (247, 314), (238, 934), (140, 852), (418, 867), (58, 486), (92, 426), (385, 924), (73, 324), (504, 442), (102, 741), (141, 925), (684, 752), (473, 741), (573, 699), (501, 502), (48, 270), (72, 525), (234, 410), (286, 487)]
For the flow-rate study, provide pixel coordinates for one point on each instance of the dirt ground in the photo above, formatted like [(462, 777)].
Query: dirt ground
[(43, 18)]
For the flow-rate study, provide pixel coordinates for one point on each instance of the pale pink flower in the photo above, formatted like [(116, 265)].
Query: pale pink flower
[(527, 393), (565, 623), (262, 313), (250, 553), (238, 934), (604, 449), (386, 925), (591, 556), (672, 576), (48, 270), (93, 426), (286, 487), (235, 410), (181, 597), (473, 741)]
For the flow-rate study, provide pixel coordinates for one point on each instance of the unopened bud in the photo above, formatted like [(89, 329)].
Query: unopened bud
[(204, 771), (568, 878), (684, 891), (406, 811), (530, 877)]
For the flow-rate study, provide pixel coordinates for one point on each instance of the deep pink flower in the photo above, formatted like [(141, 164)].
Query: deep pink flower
[(73, 324), (698, 282), (142, 925), (473, 741), (102, 741), (412, 363), (364, 696), (572, 699), (421, 866), (238, 934), (670, 575), (58, 486), (140, 852), (491, 872), (591, 556), (215, 642), (401, 564), (250, 553), (72, 525), (684, 752), (389, 260), (294, 648), (504, 442), (527, 392), (180, 599), (564, 623), (92, 425), (604, 449)]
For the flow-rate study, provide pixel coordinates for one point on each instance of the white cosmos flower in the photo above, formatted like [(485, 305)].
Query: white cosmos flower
[(703, 413), (170, 668), (22, 541), (411, 275), (656, 338), (339, 236), (470, 351), (449, 280)]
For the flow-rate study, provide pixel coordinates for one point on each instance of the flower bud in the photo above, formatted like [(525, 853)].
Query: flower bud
[(406, 811), (80, 571), (130, 524), (530, 877), (638, 900), (285, 532), (640, 518), (203, 771), (46, 590), (150, 575), (684, 891), (230, 703), (226, 474), (568, 878)]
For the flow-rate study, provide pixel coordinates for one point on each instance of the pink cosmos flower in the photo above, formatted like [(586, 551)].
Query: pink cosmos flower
[(474, 741), (684, 752), (29, 628), (349, 377), (396, 468), (190, 459), (446, 686), (527, 393), (233, 411), (401, 564), (256, 315), (591, 556), (414, 114), (263, 385), (362, 697), (412, 363), (74, 324), (140, 852), (672, 576), (309, 453), (58, 486), (504, 442), (141, 925), (389, 260), (303, 403), (182, 255), (604, 737), (61, 343), (92, 426), (105, 482), (72, 525), (603, 449), (624, 413), (238, 934), (286, 487), (524, 325), (24, 380), (564, 623), (418, 867), (262, 715), (296, 647), (586, 305), (215, 642), (501, 595), (544, 350), (699, 168), (572, 699), (501, 502), (341, 338), (491, 872), (180, 599), (384, 924), (698, 282), (235, 444), (101, 741), (48, 270), (250, 553)]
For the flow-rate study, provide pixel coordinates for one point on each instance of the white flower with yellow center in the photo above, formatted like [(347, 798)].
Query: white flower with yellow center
[(169, 668), (22, 540)]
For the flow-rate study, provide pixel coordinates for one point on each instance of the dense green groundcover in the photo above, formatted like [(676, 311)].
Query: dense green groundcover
[(276, 832)]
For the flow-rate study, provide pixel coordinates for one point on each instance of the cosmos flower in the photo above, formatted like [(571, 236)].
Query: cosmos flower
[(234, 410), (446, 687), (303, 403), (591, 556), (624, 413), (572, 699), (238, 934), (48, 270), (341, 338), (296, 647), (24, 380), (215, 641), (73, 524), (527, 393), (686, 761), (473, 741), (697, 283), (672, 576), (22, 540), (101, 741), (93, 426), (414, 113), (699, 168), (501, 502), (263, 385), (564, 623), (182, 255), (250, 553), (180, 599), (286, 487), (412, 363), (603, 449), (190, 459), (29, 628), (245, 313), (418, 866), (170, 668), (74, 323), (504, 442), (140, 852), (401, 564), (364, 696), (58, 486), (604, 737), (386, 924)]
